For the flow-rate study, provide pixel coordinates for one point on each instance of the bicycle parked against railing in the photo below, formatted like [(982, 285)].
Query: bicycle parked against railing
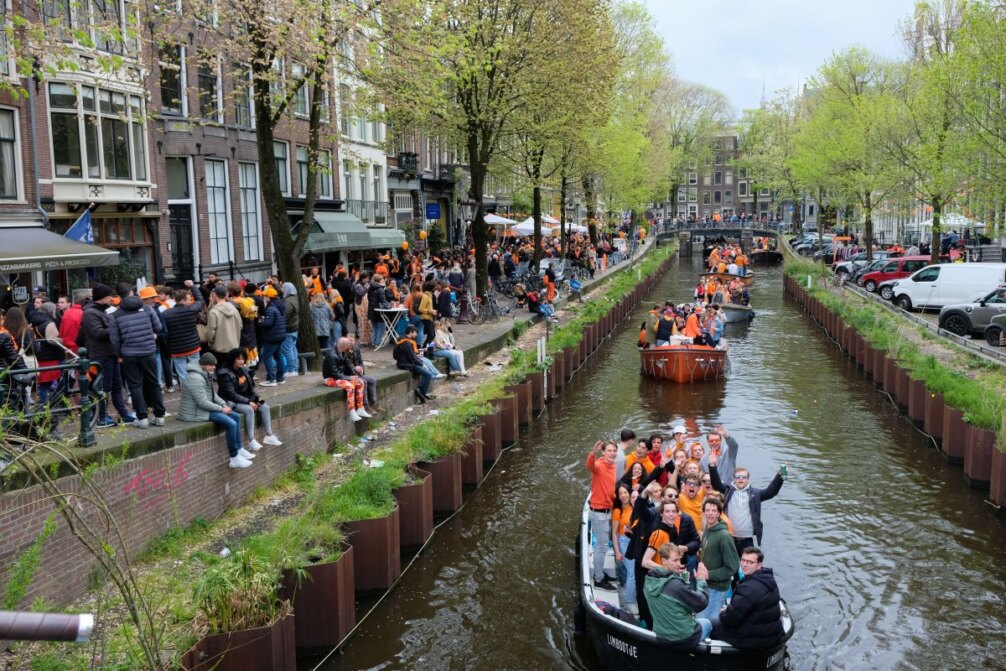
[(491, 309)]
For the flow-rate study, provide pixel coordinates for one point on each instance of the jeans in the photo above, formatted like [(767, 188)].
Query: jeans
[(455, 359), (180, 362), (272, 354), (249, 415), (546, 310), (707, 627), (111, 383), (371, 389), (322, 341), (424, 379), (336, 333), (414, 320), (379, 328), (717, 599), (290, 352), (630, 578), (232, 425), (428, 365), (141, 378), (600, 525)]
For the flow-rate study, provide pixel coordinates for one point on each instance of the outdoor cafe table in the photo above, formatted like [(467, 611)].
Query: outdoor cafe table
[(391, 317)]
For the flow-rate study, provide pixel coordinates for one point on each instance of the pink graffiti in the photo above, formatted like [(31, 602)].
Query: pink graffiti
[(153, 487)]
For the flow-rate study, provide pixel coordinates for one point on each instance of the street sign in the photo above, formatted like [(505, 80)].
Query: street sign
[(433, 210), (21, 294)]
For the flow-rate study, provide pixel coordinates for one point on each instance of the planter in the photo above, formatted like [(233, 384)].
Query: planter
[(901, 387), (978, 457), (933, 423), (508, 420), (537, 384), (415, 511), (522, 392), (997, 483), (868, 359), (569, 364), (917, 401), (377, 544), (471, 459), (583, 350), (954, 439), (558, 371), (859, 349), (890, 369), (492, 446), (272, 647), (324, 602), (550, 382), (446, 475)]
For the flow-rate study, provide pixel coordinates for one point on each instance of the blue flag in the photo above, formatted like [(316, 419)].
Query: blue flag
[(81, 230)]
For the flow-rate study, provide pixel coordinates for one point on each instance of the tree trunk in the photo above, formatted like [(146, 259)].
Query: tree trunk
[(562, 215), (590, 197), (934, 252), (479, 233), (868, 225), (536, 208)]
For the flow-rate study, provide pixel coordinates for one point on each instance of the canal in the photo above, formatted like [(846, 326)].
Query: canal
[(886, 558)]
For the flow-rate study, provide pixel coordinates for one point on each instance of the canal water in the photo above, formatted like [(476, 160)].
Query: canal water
[(886, 558)]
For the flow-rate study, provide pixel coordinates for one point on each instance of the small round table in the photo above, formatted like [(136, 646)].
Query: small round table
[(391, 317)]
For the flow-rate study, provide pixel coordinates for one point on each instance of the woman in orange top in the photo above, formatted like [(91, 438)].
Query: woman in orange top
[(692, 328), (624, 568)]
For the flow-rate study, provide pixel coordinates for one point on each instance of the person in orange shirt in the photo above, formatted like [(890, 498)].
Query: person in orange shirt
[(620, 516), (314, 282), (692, 327), (381, 267), (690, 500), (601, 464), (673, 528), (642, 456)]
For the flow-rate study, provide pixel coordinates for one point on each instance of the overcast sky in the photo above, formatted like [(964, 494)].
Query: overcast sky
[(739, 46)]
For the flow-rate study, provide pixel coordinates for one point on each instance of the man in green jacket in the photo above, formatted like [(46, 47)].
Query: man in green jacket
[(200, 403), (672, 601), (718, 555)]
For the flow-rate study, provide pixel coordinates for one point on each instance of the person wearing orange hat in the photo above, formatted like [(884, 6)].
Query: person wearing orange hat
[(133, 330)]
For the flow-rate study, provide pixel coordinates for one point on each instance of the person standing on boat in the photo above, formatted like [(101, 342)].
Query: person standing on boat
[(674, 603), (644, 519), (675, 528), (743, 502), (726, 459), (718, 555), (752, 619), (625, 440), (665, 327), (601, 464)]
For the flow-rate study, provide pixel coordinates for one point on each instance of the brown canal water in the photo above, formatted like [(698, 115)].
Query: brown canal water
[(886, 558)]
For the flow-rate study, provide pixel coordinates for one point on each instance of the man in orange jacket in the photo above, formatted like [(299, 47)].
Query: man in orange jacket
[(601, 464)]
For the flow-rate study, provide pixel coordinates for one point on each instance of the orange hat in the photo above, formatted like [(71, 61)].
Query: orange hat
[(270, 292), (148, 292)]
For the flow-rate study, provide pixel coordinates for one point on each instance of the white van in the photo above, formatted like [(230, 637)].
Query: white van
[(947, 283)]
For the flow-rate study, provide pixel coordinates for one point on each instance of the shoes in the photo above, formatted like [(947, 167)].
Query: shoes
[(355, 416), (159, 421), (245, 454), (283, 381), (270, 383), (254, 445), (439, 376), (272, 440), (292, 373), (362, 412), (239, 462), (108, 421), (142, 423), (604, 584), (430, 397), (420, 396), (128, 419)]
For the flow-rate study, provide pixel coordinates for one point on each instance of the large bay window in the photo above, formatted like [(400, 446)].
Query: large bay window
[(97, 133)]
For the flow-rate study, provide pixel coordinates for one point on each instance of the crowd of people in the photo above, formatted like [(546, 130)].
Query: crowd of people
[(703, 324), (684, 522)]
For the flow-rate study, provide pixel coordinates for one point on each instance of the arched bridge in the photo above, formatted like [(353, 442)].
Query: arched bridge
[(686, 234)]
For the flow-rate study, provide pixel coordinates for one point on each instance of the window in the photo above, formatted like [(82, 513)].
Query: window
[(891, 267), (719, 159), (693, 178), (728, 196), (705, 197), (209, 90), (300, 103), (912, 266), (693, 195), (344, 103), (178, 178), (717, 178), (5, 64), (928, 275), (101, 129), (281, 150), (325, 174), (717, 197), (172, 63), (251, 223), (742, 173), (682, 195), (742, 188), (729, 177), (379, 195), (244, 98), (59, 15), (302, 170), (363, 181), (216, 211), (107, 27), (707, 179), (763, 193), (810, 210), (9, 177)]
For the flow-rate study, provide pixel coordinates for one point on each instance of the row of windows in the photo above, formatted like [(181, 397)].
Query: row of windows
[(281, 150)]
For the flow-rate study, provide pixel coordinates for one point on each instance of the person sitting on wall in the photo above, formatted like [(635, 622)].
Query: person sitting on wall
[(407, 357), (236, 385), (199, 403), (339, 371)]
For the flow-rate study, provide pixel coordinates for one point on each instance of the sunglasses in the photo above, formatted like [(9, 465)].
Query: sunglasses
[(741, 477)]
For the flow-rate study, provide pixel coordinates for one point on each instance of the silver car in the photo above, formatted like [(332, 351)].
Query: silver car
[(966, 318)]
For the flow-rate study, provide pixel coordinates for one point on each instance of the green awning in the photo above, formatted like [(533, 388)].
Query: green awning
[(385, 238), (332, 231), (35, 248)]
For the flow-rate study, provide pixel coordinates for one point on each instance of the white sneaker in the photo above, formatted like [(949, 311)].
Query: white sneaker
[(269, 383), (292, 374), (254, 445), (355, 416), (363, 413), (439, 376), (142, 423), (159, 421), (272, 440), (246, 454), (239, 462)]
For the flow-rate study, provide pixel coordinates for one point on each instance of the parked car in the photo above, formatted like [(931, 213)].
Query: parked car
[(826, 253), (808, 248), (995, 333), (876, 264), (857, 261), (973, 317), (886, 289), (894, 269), (947, 284)]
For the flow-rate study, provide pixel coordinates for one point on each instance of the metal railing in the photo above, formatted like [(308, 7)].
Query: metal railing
[(369, 211)]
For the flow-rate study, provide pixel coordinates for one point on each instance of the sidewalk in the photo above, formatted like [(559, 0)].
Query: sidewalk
[(479, 343)]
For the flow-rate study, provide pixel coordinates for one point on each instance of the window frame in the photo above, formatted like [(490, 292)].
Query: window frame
[(303, 168), (214, 218), (183, 109), (217, 99), (300, 104), (284, 173), (18, 178), (325, 185), (251, 245)]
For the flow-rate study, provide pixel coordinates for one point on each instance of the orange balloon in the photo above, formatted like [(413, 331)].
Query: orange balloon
[(405, 245), (422, 235)]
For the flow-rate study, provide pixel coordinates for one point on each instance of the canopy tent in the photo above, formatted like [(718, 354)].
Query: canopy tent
[(496, 220), (570, 228), (35, 248), (550, 220), (951, 221), (526, 227)]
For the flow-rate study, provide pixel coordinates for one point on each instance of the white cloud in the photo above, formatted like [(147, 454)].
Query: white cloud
[(739, 46)]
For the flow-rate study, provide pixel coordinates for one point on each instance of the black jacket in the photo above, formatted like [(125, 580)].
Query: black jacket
[(754, 501), (376, 296), (405, 355), (181, 335), (345, 288), (751, 621), (8, 355), (687, 536), (94, 331), (236, 386), (133, 328), (338, 365), (45, 350), (273, 324), (444, 304), (644, 519)]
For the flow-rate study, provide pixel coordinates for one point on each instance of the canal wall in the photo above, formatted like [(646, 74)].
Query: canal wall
[(976, 449), (176, 477)]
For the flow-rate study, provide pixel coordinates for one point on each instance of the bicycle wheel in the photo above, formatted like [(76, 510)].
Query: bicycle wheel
[(476, 313)]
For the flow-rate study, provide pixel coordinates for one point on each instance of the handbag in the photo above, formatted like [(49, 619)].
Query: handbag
[(29, 360)]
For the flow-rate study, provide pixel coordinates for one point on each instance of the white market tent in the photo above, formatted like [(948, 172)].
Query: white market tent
[(549, 220), (953, 221), (496, 220), (525, 227)]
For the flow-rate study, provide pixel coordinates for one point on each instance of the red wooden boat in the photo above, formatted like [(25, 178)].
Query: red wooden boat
[(685, 362)]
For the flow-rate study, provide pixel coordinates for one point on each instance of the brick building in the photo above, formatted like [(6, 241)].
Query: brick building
[(721, 187)]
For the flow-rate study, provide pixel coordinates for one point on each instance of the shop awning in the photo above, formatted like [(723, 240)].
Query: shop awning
[(385, 238), (334, 231), (34, 248)]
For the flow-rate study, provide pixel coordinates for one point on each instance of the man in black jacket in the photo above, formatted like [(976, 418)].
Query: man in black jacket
[(180, 332), (752, 619), (406, 356), (94, 335)]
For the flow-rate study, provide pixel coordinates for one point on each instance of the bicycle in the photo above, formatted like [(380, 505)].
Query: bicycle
[(474, 313), (491, 309)]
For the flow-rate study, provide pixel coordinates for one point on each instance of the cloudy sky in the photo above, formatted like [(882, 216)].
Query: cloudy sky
[(739, 46)]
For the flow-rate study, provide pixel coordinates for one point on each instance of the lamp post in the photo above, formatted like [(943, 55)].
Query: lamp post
[(467, 210)]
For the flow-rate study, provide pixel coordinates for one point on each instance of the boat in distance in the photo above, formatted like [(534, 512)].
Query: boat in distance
[(624, 646), (765, 256), (684, 362), (746, 280), (736, 313)]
